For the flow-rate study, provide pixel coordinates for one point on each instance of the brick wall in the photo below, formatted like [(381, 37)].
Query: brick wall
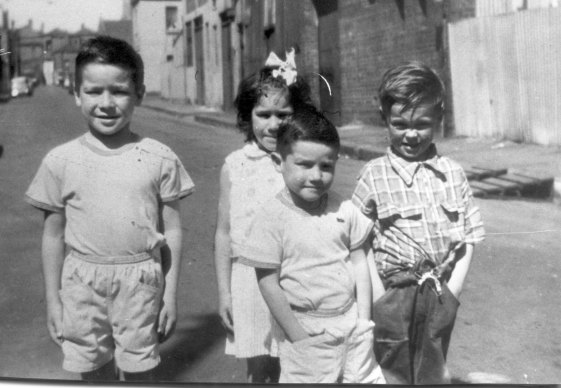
[(377, 34), (307, 58), (295, 26)]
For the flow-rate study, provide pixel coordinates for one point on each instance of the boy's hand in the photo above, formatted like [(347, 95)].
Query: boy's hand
[(225, 312), (167, 318), (54, 321)]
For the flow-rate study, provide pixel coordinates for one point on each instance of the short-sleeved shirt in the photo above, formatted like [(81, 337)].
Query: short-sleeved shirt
[(111, 198), (311, 251), (422, 209), (254, 181)]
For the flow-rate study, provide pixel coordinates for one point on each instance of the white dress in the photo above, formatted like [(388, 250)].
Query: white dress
[(253, 181)]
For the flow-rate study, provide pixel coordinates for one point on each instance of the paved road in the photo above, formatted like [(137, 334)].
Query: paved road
[(507, 325)]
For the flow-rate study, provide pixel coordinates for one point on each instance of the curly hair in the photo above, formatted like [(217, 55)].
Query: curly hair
[(252, 88)]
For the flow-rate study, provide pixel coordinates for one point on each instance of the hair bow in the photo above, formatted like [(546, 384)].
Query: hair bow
[(285, 69)]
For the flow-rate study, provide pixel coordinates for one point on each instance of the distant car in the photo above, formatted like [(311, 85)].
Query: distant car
[(21, 87)]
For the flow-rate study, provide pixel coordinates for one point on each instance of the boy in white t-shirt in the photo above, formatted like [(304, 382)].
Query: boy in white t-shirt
[(309, 250), (112, 198)]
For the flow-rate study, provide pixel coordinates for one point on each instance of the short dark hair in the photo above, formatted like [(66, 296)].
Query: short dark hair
[(253, 87), (306, 124), (111, 51), (411, 84)]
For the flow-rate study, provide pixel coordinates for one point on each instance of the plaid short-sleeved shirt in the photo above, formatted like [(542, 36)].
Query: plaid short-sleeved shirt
[(421, 209)]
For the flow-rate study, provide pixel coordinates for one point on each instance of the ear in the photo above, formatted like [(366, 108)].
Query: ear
[(277, 161), (77, 97), (140, 94), (382, 114)]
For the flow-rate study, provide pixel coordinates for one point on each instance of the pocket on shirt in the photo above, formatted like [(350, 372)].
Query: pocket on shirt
[(406, 217), (453, 217)]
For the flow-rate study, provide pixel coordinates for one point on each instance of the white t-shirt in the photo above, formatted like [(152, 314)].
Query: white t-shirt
[(111, 198), (311, 251)]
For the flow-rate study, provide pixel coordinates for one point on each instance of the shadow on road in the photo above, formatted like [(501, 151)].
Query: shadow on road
[(188, 345)]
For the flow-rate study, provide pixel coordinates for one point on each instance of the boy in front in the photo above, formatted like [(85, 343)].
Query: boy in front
[(426, 225), (112, 198), (309, 250)]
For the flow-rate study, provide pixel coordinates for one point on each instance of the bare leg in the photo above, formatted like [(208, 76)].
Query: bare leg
[(263, 369), (106, 373)]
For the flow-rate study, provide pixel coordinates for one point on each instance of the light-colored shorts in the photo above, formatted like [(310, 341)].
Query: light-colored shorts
[(110, 310), (340, 350)]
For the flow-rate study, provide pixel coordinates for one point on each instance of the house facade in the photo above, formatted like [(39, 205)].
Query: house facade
[(342, 46), (154, 24)]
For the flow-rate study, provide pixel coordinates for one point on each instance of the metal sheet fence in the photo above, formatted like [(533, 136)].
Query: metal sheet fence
[(506, 76)]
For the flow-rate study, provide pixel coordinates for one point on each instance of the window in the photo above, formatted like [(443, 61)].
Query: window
[(171, 19), (189, 43)]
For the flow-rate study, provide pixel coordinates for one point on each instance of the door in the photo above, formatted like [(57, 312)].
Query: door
[(227, 62), (199, 61)]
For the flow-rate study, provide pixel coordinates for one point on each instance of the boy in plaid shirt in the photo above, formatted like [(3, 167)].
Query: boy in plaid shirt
[(426, 225)]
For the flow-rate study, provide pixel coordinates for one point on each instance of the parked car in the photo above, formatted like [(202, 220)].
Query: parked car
[(21, 87)]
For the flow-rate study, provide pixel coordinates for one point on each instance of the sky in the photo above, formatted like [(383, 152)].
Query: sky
[(64, 14)]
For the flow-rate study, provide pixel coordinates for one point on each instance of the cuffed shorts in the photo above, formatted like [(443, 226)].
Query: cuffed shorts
[(340, 350), (110, 310)]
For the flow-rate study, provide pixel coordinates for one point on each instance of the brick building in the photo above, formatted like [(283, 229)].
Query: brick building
[(343, 46), (350, 43)]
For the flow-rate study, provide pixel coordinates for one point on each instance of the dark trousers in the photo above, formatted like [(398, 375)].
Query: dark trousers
[(412, 333)]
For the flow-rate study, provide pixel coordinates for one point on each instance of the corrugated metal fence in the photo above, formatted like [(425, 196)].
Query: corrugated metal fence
[(506, 76)]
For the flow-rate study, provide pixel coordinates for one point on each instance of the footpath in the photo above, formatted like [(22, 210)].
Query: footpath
[(494, 168)]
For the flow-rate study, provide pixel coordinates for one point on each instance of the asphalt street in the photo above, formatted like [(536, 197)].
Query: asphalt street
[(508, 323)]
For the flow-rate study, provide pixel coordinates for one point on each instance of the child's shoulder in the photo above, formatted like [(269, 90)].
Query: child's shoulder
[(375, 165), (247, 152), (157, 148), (337, 203), (449, 166), (66, 150)]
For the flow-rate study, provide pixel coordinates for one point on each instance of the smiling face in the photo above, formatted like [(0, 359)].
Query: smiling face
[(308, 171), (411, 130), (272, 109), (107, 97)]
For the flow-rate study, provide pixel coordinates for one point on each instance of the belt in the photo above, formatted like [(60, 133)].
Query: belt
[(126, 259), (323, 313), (426, 271)]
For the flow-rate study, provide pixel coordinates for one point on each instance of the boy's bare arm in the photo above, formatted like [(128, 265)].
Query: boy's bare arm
[(458, 277), (222, 252), (377, 285), (363, 281), (171, 263), (52, 253), (278, 304)]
